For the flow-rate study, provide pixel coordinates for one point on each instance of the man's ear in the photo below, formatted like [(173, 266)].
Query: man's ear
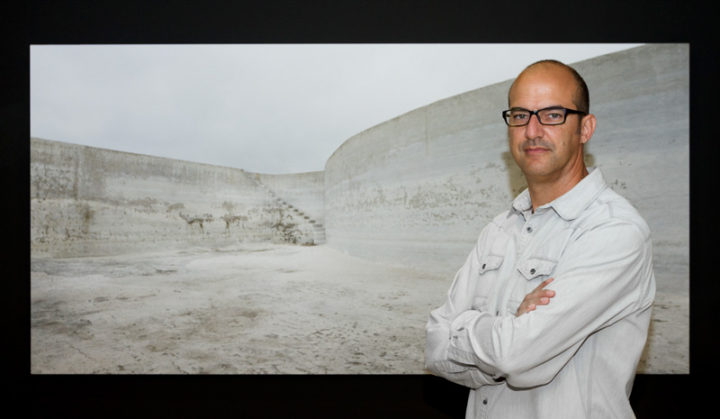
[(587, 128)]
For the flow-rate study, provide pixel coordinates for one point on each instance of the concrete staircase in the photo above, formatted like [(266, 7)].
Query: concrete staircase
[(317, 228)]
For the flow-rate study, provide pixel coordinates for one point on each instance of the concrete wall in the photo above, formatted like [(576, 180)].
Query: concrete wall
[(417, 189), (302, 190), (90, 201), (413, 191)]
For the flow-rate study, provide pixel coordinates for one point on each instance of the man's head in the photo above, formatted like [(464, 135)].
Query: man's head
[(581, 98), (550, 153)]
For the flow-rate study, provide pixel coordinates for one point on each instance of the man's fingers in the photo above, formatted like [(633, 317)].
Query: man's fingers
[(540, 291), (538, 296), (544, 283)]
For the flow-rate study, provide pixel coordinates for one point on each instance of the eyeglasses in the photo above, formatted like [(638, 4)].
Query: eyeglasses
[(554, 115)]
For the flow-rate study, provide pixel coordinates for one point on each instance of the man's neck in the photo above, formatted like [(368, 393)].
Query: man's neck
[(546, 190)]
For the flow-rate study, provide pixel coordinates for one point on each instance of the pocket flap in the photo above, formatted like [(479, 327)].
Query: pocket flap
[(489, 263), (534, 267)]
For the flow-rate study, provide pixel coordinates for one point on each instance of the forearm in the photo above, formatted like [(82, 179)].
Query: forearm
[(505, 348), (531, 349), (438, 362)]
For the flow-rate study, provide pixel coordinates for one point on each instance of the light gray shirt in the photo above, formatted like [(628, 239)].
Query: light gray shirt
[(573, 358)]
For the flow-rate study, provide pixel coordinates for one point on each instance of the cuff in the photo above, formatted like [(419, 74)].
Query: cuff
[(466, 331)]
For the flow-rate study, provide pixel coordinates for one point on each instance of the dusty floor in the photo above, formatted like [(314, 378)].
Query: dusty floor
[(261, 309)]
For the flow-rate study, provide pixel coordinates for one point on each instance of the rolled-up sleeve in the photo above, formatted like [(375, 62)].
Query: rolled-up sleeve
[(604, 275)]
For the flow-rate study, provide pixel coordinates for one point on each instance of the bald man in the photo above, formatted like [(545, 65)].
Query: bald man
[(549, 314)]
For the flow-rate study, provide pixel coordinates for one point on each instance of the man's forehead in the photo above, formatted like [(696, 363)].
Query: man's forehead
[(546, 73), (544, 80)]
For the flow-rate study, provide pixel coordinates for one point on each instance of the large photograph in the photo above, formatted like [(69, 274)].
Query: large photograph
[(301, 209)]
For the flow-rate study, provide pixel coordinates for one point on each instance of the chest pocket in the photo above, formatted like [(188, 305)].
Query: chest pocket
[(536, 268), (490, 263), (487, 280), (534, 271), (539, 261)]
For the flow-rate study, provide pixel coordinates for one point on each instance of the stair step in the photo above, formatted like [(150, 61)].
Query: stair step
[(318, 229)]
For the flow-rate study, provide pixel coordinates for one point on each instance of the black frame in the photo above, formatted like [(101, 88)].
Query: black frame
[(566, 112)]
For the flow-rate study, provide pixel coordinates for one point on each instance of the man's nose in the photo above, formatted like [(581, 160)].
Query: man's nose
[(534, 128)]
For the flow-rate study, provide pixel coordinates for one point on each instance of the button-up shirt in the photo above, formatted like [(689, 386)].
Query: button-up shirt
[(574, 357)]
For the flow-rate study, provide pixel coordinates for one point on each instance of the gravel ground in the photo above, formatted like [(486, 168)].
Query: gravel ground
[(262, 309)]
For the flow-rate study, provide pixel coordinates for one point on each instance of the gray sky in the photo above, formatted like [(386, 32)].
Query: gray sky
[(263, 108)]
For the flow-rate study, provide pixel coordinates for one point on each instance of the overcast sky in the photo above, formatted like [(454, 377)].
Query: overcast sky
[(262, 108)]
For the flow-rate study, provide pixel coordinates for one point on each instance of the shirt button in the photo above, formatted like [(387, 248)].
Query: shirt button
[(485, 401), (529, 229), (483, 267), (532, 271)]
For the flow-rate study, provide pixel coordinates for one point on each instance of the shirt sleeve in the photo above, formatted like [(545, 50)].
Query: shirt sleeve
[(438, 328), (603, 275)]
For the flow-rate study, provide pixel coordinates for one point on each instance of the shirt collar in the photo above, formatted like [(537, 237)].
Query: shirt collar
[(571, 204), (522, 202)]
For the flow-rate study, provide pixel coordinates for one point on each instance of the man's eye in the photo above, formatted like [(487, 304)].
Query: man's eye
[(553, 116), (519, 116)]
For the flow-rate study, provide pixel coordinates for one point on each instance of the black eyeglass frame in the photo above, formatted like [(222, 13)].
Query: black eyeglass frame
[(566, 112)]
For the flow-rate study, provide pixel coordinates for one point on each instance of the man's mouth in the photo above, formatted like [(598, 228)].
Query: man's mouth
[(535, 150)]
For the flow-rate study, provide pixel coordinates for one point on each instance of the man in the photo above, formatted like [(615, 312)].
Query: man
[(549, 314)]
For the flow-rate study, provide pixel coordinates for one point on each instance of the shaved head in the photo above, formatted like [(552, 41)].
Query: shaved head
[(581, 99)]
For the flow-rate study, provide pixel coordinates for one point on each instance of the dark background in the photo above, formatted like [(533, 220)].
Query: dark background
[(164, 22)]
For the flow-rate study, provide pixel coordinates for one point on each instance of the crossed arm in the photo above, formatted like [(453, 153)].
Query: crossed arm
[(595, 285), (470, 376)]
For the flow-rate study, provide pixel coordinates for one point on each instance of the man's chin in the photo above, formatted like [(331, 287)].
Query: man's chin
[(537, 171)]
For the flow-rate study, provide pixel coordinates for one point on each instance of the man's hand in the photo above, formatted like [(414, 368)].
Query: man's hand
[(538, 296)]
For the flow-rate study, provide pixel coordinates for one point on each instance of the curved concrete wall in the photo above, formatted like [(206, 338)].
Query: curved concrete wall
[(414, 191), (90, 201), (417, 189)]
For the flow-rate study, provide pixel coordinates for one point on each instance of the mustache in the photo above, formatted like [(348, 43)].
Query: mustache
[(537, 142)]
